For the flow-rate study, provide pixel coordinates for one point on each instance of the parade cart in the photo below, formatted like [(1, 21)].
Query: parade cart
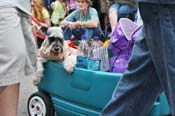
[(83, 93)]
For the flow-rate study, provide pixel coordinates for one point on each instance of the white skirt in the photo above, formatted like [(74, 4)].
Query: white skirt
[(15, 59)]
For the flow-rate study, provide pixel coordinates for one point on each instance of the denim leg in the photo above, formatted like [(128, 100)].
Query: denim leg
[(125, 10), (160, 35), (90, 32), (78, 32), (67, 34), (151, 69), (114, 6), (138, 88)]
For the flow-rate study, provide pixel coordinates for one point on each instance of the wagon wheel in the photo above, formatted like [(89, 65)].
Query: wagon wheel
[(40, 104)]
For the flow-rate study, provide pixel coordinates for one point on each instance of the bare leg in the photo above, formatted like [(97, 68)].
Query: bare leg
[(2, 89), (113, 18), (9, 96)]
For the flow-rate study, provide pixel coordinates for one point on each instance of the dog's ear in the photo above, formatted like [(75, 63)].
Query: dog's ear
[(44, 29), (55, 32)]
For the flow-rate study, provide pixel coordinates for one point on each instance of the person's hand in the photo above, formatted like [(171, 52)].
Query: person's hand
[(75, 24), (52, 5)]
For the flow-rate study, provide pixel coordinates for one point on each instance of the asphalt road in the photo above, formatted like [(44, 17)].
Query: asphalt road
[(26, 89)]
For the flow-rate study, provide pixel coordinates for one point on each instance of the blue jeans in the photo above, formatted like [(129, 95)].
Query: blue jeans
[(89, 32), (151, 68), (123, 10)]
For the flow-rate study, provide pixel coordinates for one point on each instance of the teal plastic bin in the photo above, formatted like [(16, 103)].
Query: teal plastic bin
[(164, 107), (161, 107), (84, 93)]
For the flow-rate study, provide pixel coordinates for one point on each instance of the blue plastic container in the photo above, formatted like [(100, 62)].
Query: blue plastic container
[(82, 62), (84, 93), (94, 64)]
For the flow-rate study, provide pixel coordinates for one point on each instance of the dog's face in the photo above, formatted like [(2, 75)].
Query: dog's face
[(56, 44), (55, 48), (54, 41)]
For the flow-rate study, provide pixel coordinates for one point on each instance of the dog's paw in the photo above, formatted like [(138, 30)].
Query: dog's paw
[(68, 67), (69, 63), (69, 70)]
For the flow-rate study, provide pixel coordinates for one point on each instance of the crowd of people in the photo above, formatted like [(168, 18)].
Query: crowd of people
[(88, 17)]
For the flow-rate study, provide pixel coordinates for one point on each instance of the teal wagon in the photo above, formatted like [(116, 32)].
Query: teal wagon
[(84, 93)]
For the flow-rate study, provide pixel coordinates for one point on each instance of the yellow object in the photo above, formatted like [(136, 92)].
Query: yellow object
[(106, 43)]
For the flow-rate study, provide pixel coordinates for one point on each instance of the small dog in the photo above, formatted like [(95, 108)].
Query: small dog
[(55, 48)]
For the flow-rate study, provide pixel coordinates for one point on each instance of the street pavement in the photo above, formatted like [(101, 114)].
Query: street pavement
[(26, 89)]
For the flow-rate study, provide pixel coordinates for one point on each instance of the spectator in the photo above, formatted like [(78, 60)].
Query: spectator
[(151, 68), (71, 5), (104, 12), (83, 20), (121, 8), (18, 53), (59, 11), (41, 15)]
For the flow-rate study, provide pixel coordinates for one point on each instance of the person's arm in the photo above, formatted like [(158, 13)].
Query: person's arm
[(92, 23), (89, 24), (46, 17), (47, 22), (69, 19), (70, 23), (65, 22)]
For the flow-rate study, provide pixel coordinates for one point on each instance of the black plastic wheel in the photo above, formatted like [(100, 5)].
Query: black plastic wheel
[(40, 104)]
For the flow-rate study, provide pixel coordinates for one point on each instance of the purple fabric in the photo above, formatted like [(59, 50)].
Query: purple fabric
[(121, 49)]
